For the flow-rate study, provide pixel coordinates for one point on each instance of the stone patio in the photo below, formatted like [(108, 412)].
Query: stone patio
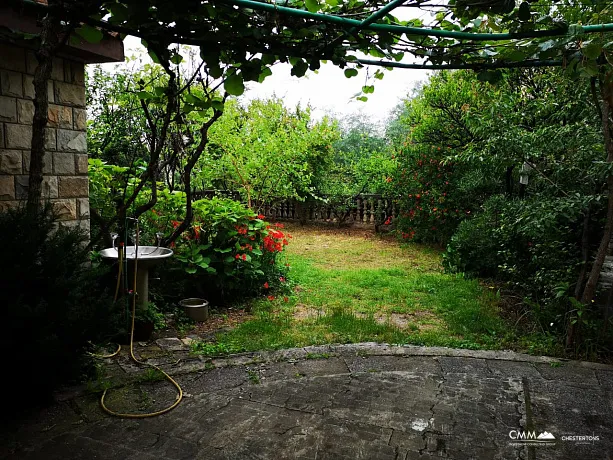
[(364, 401)]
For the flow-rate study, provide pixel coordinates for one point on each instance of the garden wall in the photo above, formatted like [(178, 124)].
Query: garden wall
[(65, 170)]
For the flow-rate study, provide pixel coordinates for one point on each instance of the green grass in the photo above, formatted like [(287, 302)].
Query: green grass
[(355, 287)]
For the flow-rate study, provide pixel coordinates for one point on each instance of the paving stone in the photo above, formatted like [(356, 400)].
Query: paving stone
[(393, 363), (394, 406), (171, 344), (580, 375)]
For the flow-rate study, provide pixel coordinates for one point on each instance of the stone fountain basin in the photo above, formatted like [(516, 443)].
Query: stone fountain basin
[(148, 255)]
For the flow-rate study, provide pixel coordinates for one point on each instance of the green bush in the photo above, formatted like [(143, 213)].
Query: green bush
[(474, 247), (52, 302), (532, 245)]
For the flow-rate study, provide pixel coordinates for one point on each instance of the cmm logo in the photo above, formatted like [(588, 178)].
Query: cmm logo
[(530, 436), (517, 435)]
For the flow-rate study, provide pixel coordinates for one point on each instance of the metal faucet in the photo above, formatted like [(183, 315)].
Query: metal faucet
[(135, 236)]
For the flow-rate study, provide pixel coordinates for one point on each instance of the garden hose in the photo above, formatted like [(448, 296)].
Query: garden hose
[(120, 257), (136, 360)]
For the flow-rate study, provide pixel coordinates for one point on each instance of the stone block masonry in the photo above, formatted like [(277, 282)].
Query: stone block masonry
[(65, 182)]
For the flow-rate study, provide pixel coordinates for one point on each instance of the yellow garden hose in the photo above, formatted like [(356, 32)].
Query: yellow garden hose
[(179, 390)]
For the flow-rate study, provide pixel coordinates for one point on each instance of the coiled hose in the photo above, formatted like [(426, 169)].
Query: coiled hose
[(178, 387)]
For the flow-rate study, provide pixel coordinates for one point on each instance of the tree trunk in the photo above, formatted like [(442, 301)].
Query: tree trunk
[(509, 180), (48, 46), (592, 282), (585, 253)]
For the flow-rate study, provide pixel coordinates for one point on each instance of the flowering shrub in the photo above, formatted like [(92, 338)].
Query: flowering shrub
[(228, 251), (433, 195)]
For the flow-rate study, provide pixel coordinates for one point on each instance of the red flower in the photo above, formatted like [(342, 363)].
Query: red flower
[(244, 257), (261, 216), (237, 256), (175, 223), (282, 279), (388, 221), (285, 299), (266, 286), (271, 297)]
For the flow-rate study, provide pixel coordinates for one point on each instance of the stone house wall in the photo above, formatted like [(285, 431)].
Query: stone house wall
[(65, 182)]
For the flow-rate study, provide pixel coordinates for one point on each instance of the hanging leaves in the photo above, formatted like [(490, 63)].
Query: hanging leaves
[(89, 33), (234, 85)]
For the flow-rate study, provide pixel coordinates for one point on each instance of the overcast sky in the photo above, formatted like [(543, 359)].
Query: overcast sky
[(328, 91)]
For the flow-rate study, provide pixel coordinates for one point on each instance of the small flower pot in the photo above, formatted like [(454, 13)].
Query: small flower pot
[(196, 309)]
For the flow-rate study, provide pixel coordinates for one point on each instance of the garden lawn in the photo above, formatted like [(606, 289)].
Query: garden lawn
[(352, 286)]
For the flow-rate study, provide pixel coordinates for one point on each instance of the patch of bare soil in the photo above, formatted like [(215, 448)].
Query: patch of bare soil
[(217, 322), (302, 312), (423, 320)]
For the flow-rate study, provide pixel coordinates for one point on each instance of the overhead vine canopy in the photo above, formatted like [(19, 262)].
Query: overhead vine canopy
[(251, 35)]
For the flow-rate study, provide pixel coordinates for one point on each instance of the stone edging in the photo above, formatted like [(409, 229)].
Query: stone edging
[(369, 349)]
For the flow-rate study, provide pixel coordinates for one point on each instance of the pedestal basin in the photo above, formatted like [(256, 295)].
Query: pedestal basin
[(147, 257)]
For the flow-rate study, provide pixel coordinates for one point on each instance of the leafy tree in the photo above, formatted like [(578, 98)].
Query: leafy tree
[(268, 152)]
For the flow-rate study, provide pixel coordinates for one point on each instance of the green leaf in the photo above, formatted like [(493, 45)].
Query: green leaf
[(144, 95), (154, 57), (362, 98), (191, 270), (89, 33), (351, 73), (176, 58), (266, 72), (515, 55), (369, 89), (234, 85), (217, 105), (312, 5), (523, 14), (300, 68), (592, 51)]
